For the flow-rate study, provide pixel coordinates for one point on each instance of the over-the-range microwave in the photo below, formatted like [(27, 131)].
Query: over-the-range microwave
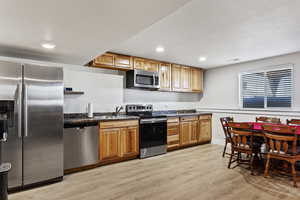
[(142, 79)]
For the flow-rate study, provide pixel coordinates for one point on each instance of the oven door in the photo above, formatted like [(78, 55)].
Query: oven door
[(146, 79), (153, 132)]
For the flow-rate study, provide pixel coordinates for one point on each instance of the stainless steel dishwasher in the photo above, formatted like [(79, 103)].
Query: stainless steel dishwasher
[(80, 146)]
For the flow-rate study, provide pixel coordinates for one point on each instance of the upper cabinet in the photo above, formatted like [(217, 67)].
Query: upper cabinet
[(145, 64), (165, 76), (186, 79), (107, 59), (176, 77), (197, 79), (173, 77), (113, 61)]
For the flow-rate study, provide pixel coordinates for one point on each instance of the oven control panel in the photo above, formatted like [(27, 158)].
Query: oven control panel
[(139, 108)]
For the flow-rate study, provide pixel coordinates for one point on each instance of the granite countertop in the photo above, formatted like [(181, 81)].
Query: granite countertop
[(81, 119), (182, 113)]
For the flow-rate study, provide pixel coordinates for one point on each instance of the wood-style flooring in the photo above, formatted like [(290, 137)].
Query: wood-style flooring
[(193, 173)]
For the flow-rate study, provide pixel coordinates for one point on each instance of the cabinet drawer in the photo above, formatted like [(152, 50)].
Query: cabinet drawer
[(119, 124), (204, 117), (173, 120), (189, 118), (173, 129), (173, 139)]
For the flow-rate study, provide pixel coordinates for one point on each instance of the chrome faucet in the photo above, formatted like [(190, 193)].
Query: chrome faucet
[(118, 110)]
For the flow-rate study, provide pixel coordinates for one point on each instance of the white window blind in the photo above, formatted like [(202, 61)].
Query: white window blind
[(267, 89)]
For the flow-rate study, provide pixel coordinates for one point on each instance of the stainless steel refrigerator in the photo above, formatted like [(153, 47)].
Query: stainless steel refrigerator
[(35, 135)]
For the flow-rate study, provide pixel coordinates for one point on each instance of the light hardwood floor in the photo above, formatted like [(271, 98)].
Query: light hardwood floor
[(193, 173)]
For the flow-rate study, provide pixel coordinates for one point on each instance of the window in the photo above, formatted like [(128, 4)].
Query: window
[(267, 89)]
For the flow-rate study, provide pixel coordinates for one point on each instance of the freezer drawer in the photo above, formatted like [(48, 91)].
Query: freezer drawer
[(80, 146)]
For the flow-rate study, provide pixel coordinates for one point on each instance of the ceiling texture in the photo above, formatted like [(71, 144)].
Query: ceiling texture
[(221, 31), (80, 29), (217, 29)]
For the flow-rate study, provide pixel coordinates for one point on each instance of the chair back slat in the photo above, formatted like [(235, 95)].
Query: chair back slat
[(241, 135), (293, 122), (224, 122), (268, 120), (280, 139)]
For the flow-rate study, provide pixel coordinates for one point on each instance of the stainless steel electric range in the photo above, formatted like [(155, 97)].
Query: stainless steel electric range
[(153, 130)]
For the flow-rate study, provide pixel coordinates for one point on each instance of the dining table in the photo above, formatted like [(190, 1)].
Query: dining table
[(258, 132), (258, 126)]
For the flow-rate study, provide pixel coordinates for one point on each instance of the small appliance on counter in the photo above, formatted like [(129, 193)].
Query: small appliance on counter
[(90, 110), (142, 79), (153, 130)]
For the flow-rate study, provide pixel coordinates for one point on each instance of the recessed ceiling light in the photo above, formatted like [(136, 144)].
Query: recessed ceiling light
[(202, 59), (48, 45), (160, 49)]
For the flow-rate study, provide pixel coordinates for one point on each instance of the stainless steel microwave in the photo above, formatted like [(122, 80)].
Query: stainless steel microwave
[(142, 79)]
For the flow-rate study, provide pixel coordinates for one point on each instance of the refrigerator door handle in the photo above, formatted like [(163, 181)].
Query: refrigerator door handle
[(19, 102), (25, 111)]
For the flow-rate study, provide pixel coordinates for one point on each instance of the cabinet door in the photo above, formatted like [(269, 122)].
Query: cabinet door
[(204, 130), (197, 80), (109, 143), (176, 77), (107, 59), (186, 78), (122, 61), (194, 132), (151, 65), (129, 141), (139, 63), (185, 133), (165, 76)]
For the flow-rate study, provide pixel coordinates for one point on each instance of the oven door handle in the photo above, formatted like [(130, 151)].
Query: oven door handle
[(152, 120)]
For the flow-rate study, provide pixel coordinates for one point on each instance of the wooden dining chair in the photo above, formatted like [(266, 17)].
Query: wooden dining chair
[(295, 122), (281, 143), (242, 142), (224, 122), (268, 120)]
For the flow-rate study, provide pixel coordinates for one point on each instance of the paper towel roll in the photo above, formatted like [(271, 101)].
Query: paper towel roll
[(90, 110)]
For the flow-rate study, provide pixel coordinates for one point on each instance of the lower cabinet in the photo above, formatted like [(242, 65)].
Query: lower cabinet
[(173, 132), (118, 139), (129, 141), (204, 128), (189, 130), (110, 143)]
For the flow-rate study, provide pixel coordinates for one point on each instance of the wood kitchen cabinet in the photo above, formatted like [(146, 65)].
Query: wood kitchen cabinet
[(173, 133), (123, 62), (176, 77), (110, 143), (165, 76), (197, 79), (118, 139), (129, 141), (113, 61), (181, 78), (188, 130), (145, 64), (205, 132), (186, 79), (106, 59)]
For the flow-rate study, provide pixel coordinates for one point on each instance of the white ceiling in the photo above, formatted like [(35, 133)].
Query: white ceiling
[(80, 29), (221, 30)]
